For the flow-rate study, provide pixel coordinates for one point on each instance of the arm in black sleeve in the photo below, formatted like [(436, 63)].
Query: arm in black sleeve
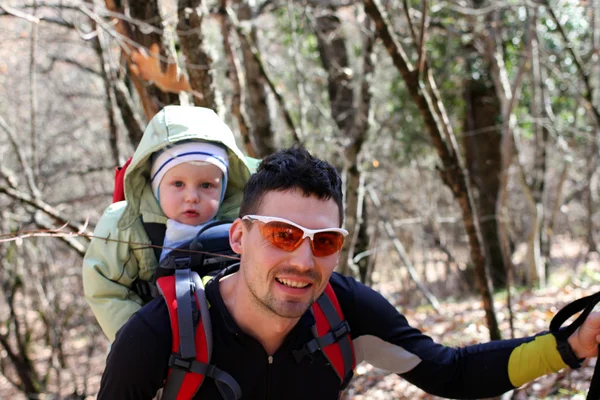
[(384, 338), (138, 360)]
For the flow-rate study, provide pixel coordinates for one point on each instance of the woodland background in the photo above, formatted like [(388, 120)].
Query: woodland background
[(466, 131)]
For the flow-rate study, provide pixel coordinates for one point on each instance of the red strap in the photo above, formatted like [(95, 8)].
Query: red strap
[(119, 193), (192, 381), (323, 326)]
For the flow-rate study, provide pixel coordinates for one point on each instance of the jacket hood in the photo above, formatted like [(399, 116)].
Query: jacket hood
[(171, 125)]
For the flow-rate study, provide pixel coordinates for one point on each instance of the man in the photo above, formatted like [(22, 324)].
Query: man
[(289, 239)]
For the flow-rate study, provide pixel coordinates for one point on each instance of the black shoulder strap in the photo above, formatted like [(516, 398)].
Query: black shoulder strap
[(156, 234), (585, 305)]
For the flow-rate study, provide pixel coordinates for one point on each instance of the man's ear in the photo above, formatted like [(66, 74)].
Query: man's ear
[(235, 235)]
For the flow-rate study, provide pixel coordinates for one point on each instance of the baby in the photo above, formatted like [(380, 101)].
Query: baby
[(186, 171)]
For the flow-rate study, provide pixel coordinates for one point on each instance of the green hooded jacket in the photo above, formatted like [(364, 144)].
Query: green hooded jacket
[(111, 266)]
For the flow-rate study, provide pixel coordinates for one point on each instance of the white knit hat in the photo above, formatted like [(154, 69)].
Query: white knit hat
[(187, 152)]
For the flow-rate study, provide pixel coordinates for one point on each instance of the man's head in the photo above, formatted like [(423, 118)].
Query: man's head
[(293, 169), (189, 181), (288, 234)]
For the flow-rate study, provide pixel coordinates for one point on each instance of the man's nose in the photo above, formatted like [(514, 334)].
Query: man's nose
[(302, 257)]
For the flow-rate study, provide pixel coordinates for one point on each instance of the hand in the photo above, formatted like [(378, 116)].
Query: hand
[(584, 341)]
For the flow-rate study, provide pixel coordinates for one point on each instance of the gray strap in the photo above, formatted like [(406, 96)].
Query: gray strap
[(204, 311), (338, 329), (226, 384), (187, 347), (174, 382)]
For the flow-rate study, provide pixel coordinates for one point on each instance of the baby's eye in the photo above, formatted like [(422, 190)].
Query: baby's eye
[(206, 185), (178, 184)]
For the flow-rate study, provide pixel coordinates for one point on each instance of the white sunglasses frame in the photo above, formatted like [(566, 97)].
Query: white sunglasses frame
[(307, 233)]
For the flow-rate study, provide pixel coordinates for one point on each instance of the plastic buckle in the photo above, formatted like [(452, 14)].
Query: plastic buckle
[(342, 330), (181, 363), (182, 262)]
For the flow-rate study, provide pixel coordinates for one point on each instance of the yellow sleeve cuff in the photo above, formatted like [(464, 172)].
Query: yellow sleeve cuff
[(534, 359)]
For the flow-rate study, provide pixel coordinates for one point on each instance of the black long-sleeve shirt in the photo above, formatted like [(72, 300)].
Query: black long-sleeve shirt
[(137, 364)]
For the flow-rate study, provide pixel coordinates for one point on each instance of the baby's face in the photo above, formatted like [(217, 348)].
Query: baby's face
[(190, 193)]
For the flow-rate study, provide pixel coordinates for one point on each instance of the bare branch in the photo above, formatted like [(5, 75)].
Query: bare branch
[(9, 176), (54, 59), (61, 233), (41, 205), (453, 173), (257, 57), (19, 14), (422, 38), (411, 26), (234, 73), (22, 159), (402, 252), (107, 78), (79, 247), (588, 95), (135, 127), (35, 163)]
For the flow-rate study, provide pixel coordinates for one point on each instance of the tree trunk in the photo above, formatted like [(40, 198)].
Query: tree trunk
[(256, 91), (199, 63), (148, 11), (484, 161), (149, 104), (453, 174), (351, 121), (588, 193), (238, 109)]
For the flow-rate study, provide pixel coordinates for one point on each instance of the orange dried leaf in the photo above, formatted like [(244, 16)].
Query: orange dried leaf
[(147, 67)]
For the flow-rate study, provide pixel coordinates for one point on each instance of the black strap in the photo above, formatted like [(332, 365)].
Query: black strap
[(156, 234), (585, 305)]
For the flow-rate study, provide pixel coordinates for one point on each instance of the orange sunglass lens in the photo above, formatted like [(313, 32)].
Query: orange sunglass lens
[(327, 243), (282, 235)]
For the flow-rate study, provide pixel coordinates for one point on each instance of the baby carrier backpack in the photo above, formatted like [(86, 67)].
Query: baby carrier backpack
[(179, 281)]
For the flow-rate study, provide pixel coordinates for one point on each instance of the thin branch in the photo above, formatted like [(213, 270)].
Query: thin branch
[(41, 205), (33, 95), (134, 125), (108, 78), (411, 27), (257, 57), (22, 159), (402, 252), (79, 247), (589, 91), (19, 14), (234, 73), (298, 76), (54, 59), (422, 38), (9, 176), (59, 232)]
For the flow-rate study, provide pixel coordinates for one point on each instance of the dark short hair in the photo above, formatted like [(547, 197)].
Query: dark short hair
[(289, 169)]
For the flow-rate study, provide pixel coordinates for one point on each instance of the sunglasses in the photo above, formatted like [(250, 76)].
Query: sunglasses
[(288, 236)]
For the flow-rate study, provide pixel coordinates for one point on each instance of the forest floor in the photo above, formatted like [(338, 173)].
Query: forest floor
[(461, 321)]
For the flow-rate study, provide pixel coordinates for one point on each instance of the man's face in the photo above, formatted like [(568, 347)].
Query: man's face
[(190, 193), (281, 282)]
